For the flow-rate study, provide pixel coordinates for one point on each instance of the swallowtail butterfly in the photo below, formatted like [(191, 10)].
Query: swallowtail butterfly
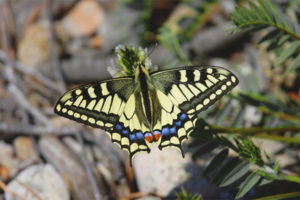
[(147, 107)]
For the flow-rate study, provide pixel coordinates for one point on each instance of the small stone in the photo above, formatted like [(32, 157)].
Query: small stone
[(84, 19), (163, 164), (34, 48), (39, 180), (24, 148)]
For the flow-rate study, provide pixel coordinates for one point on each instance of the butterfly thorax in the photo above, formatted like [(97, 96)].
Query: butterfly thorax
[(142, 79)]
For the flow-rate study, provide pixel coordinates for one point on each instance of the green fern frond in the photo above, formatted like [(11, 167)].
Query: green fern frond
[(283, 33), (261, 15)]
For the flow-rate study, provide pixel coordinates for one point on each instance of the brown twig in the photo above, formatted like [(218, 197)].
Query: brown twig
[(6, 190), (26, 129), (29, 189), (88, 169), (20, 97), (27, 71), (4, 27), (136, 195)]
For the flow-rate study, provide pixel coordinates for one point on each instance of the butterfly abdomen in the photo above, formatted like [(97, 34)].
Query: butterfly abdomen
[(145, 94)]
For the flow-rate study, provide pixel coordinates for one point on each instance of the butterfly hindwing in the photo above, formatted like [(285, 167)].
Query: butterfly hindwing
[(110, 105), (189, 90), (174, 124)]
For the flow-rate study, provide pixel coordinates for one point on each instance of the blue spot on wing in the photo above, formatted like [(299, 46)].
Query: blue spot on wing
[(132, 137), (165, 131), (118, 127), (139, 135), (173, 130), (178, 123), (125, 132), (183, 116)]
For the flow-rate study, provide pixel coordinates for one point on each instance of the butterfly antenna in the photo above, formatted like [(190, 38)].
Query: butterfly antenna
[(150, 51)]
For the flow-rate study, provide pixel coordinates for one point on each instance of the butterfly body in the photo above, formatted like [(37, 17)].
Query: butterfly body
[(159, 107)]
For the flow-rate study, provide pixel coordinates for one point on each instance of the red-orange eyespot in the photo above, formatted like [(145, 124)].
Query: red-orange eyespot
[(157, 135), (148, 137)]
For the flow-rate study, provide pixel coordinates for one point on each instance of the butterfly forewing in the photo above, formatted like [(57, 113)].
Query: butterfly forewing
[(194, 89), (190, 90)]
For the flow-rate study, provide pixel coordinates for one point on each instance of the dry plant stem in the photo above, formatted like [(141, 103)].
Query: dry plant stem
[(26, 129), (29, 189), (54, 57), (136, 195), (267, 133), (27, 71), (253, 131), (281, 115), (5, 35), (88, 169), (6, 190), (39, 116)]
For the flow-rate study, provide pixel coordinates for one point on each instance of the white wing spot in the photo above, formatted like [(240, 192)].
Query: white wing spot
[(199, 106), (196, 75), (78, 92), (125, 141), (201, 86), (91, 105), (183, 77), (193, 89), (165, 143), (116, 136), (76, 115), (70, 112), (212, 79), (206, 101), (100, 123), (109, 125), (99, 105), (192, 111), (223, 87), (68, 103), (133, 147), (208, 83), (64, 110), (186, 91), (106, 105), (233, 79), (228, 83), (92, 120), (212, 96), (222, 77), (209, 70), (84, 117), (104, 89), (58, 107), (177, 94), (174, 140), (115, 104), (78, 101), (218, 92), (83, 104), (181, 132), (91, 92)]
